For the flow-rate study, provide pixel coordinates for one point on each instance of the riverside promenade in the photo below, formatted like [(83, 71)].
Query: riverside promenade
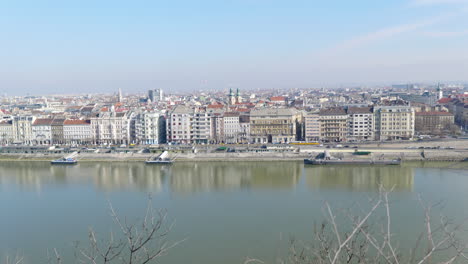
[(447, 150)]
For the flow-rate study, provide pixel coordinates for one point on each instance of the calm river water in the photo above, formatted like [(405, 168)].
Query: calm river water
[(226, 210)]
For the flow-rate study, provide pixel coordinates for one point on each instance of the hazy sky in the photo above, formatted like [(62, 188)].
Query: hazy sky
[(100, 46)]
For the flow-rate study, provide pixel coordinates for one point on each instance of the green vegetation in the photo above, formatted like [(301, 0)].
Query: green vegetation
[(362, 153)]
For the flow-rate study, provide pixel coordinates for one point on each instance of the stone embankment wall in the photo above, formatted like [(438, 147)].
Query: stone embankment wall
[(404, 154)]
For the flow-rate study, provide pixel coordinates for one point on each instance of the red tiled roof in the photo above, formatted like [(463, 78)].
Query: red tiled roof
[(42, 121), (278, 98), (76, 122), (215, 106), (444, 100)]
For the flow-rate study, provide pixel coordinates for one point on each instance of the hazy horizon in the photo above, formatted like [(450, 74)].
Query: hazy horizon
[(56, 47)]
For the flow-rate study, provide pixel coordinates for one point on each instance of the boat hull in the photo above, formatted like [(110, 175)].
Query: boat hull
[(63, 162), (351, 162), (160, 162)]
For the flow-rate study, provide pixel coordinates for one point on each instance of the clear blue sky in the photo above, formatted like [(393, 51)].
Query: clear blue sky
[(100, 46)]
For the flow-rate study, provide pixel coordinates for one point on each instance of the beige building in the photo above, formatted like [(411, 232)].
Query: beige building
[(333, 124), (433, 123), (394, 122), (22, 129), (312, 126), (6, 132), (179, 124), (274, 125), (56, 128), (111, 127)]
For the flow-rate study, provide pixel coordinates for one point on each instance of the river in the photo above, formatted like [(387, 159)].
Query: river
[(225, 210)]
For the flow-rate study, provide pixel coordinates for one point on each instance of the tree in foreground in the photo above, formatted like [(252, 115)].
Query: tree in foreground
[(355, 235), (367, 238), (142, 241)]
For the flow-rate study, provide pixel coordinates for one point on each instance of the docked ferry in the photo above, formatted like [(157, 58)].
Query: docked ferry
[(351, 162), (163, 158), (67, 160)]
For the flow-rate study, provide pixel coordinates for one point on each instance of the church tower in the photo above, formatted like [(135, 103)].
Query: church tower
[(231, 99), (238, 97), (440, 93)]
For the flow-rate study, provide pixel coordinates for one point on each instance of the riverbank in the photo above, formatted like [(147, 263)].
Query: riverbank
[(442, 150), (299, 154)]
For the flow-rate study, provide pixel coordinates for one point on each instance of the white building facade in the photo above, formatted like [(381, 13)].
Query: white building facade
[(42, 131), (232, 127), (150, 128), (111, 128), (179, 125), (361, 125), (77, 132), (22, 129)]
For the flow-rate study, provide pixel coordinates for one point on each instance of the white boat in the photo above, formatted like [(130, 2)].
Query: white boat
[(67, 160), (163, 158)]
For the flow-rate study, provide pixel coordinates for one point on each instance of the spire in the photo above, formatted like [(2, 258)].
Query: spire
[(119, 99)]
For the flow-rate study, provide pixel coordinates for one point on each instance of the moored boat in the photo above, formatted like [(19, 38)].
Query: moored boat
[(161, 159), (64, 161), (67, 160), (351, 162)]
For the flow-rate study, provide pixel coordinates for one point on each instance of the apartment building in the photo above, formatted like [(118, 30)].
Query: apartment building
[(433, 122), (231, 126), (217, 127), (77, 131), (6, 132), (312, 127), (56, 128), (22, 129), (273, 125), (179, 124), (111, 127), (201, 126), (333, 124), (42, 131), (361, 125), (150, 128), (244, 124), (394, 122)]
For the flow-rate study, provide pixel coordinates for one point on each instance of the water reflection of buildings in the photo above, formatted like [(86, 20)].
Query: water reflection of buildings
[(217, 176), (30, 175), (360, 178), (125, 176), (192, 177), (106, 175)]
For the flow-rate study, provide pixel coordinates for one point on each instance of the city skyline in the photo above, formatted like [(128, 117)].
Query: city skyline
[(58, 47)]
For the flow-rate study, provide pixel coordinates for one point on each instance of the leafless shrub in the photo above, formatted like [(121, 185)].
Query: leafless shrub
[(139, 242), (143, 242), (363, 239), (17, 259)]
